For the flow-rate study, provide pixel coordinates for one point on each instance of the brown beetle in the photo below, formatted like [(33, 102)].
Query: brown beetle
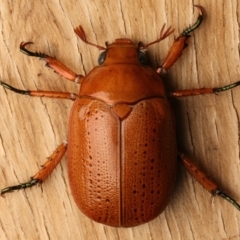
[(122, 152)]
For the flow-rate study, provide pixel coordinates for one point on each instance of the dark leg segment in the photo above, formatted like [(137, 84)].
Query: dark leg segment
[(201, 91), (196, 24), (81, 33), (28, 184), (53, 63), (204, 180), (44, 172)]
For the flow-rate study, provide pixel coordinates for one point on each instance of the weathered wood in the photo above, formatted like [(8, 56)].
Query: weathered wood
[(31, 128)]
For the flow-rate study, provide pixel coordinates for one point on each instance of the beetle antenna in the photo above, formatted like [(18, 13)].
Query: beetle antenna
[(80, 32), (163, 35)]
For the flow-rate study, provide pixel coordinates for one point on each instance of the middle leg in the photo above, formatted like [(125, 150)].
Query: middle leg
[(38, 93), (201, 91)]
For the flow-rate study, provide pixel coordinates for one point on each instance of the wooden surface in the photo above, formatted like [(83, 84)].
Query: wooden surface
[(31, 128)]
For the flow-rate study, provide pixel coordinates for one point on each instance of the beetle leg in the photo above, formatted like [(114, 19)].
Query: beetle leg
[(38, 93), (201, 91), (44, 172), (53, 63), (180, 43), (204, 180)]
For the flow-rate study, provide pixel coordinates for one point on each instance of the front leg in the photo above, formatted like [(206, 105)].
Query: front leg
[(180, 43), (53, 63)]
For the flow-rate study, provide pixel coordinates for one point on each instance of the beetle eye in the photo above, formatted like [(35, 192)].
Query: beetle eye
[(142, 58), (102, 57)]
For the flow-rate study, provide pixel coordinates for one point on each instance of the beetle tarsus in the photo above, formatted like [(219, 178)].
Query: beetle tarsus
[(228, 198), (227, 87), (51, 62), (196, 24), (29, 53), (16, 90), (28, 184)]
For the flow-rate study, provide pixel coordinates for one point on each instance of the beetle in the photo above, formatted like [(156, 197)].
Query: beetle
[(122, 151)]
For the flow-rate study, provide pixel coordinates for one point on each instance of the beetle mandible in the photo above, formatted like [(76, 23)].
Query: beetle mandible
[(122, 153)]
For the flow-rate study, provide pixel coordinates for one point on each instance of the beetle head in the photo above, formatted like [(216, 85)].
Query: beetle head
[(122, 50)]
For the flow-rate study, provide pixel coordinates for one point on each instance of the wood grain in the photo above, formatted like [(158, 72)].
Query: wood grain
[(31, 128)]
